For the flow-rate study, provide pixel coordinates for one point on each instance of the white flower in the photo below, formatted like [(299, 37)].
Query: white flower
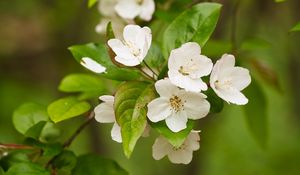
[(129, 9), (133, 49), (104, 113), (92, 65), (107, 7), (187, 66), (182, 154), (176, 106), (227, 81)]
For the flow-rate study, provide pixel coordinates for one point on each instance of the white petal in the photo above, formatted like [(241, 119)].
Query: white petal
[(161, 148), (104, 113), (179, 56), (101, 27), (232, 95), (108, 99), (183, 156), (240, 77), (192, 141), (177, 121), (226, 61), (205, 66), (147, 10), (116, 133), (131, 33), (189, 84), (128, 9), (92, 65), (196, 105), (158, 109), (124, 56), (165, 88)]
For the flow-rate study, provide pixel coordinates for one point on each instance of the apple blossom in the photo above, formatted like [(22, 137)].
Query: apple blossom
[(177, 155), (130, 9), (104, 113), (187, 66), (92, 65), (132, 50), (227, 80), (176, 106)]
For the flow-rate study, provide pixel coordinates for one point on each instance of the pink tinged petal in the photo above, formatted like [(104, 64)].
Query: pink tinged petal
[(177, 121), (196, 105), (183, 156), (104, 113), (232, 95), (116, 133), (165, 88), (161, 148), (147, 10), (189, 84), (128, 9), (159, 109), (92, 65)]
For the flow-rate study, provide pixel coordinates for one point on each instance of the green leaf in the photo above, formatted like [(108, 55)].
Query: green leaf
[(50, 133), (67, 108), (256, 113), (35, 131), (14, 158), (216, 103), (99, 53), (89, 85), (175, 138), (28, 115), (109, 31), (95, 165), (65, 162), (154, 57), (27, 169), (131, 101), (296, 28), (91, 3), (193, 25)]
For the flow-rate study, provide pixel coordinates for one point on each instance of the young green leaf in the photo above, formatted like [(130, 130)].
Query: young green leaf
[(99, 53), (95, 165), (35, 131), (195, 24), (27, 168), (88, 85), (131, 108), (28, 115), (256, 113), (175, 138), (296, 28), (50, 133), (109, 31), (67, 108), (91, 3)]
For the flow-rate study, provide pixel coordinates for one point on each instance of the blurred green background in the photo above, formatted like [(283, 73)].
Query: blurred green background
[(35, 35)]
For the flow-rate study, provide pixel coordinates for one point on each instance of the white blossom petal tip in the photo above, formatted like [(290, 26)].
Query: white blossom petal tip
[(187, 66), (176, 106), (177, 155), (228, 80), (92, 65)]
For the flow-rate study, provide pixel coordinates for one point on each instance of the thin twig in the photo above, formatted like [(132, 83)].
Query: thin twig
[(147, 65), (15, 146), (145, 74), (79, 130)]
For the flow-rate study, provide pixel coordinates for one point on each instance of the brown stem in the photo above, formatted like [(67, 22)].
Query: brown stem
[(79, 130), (15, 146)]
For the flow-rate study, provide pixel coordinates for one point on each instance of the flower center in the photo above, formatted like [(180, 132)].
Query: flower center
[(182, 147), (190, 67), (135, 51), (183, 71), (223, 84), (140, 2), (176, 103)]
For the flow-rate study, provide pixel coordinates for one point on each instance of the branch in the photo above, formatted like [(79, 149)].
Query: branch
[(80, 129), (15, 146)]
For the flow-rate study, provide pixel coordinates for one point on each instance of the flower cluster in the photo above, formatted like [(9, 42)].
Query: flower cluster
[(181, 94)]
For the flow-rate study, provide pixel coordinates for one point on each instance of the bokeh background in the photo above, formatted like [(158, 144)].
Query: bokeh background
[(35, 35)]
